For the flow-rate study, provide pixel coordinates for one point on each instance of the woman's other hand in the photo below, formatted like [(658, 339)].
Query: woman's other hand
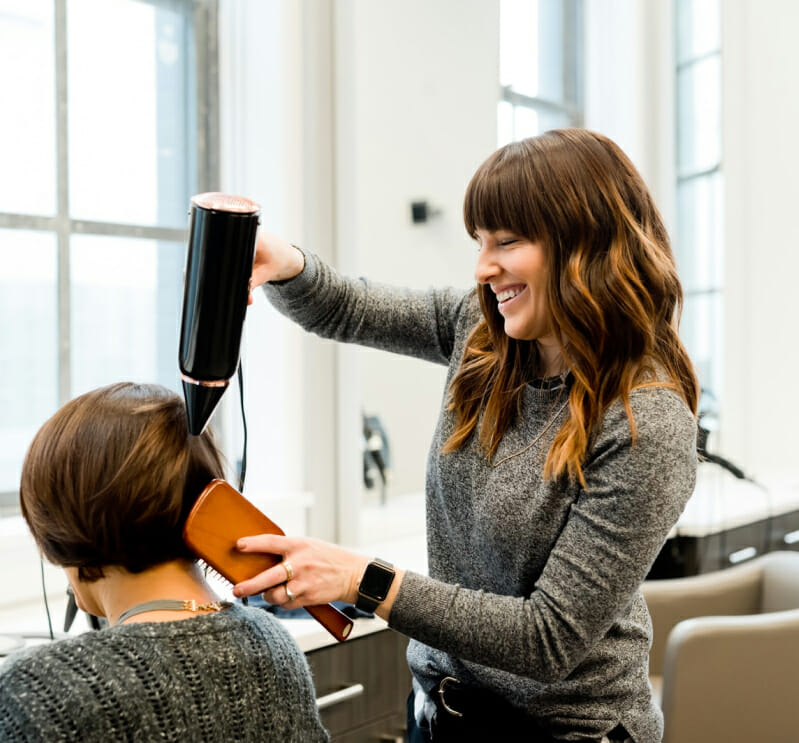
[(317, 572), (276, 259)]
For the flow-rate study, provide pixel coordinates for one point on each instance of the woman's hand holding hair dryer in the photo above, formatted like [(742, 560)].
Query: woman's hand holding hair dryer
[(276, 259)]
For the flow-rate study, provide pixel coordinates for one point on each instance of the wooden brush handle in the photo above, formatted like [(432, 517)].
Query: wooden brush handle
[(222, 515), (336, 622)]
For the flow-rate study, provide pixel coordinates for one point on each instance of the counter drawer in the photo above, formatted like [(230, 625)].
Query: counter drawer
[(392, 729), (785, 531), (361, 681)]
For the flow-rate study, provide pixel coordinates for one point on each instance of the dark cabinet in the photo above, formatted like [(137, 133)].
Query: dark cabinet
[(784, 531), (362, 686), (684, 554)]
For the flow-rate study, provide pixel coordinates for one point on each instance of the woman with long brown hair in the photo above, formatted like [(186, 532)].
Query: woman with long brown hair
[(564, 452)]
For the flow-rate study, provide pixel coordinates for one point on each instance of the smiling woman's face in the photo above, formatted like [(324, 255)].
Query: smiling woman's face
[(515, 269)]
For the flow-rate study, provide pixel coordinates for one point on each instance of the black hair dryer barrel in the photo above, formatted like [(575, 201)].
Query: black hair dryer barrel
[(219, 263)]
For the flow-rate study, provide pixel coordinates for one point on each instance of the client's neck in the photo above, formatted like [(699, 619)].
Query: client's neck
[(119, 590)]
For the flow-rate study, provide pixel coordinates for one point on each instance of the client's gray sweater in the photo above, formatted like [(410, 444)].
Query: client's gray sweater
[(533, 587), (232, 676)]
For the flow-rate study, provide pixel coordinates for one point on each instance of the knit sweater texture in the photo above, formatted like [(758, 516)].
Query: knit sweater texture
[(533, 585), (233, 675)]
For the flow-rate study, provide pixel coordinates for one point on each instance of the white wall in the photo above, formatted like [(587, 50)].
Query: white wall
[(761, 158), (416, 86)]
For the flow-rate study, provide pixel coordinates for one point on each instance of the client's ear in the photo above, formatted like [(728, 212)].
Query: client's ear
[(84, 593)]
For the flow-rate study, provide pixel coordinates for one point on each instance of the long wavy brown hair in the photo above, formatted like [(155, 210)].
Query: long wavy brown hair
[(613, 291)]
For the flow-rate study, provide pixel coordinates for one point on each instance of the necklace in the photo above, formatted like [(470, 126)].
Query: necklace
[(172, 605), (548, 425), (552, 384)]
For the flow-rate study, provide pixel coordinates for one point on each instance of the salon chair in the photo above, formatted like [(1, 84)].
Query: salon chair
[(725, 654)]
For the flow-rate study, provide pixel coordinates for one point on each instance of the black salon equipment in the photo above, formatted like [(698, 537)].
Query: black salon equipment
[(219, 264), (376, 455)]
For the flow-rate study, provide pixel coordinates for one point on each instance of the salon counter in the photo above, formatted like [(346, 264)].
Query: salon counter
[(728, 521), (310, 635)]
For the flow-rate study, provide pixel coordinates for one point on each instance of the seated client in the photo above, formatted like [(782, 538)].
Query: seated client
[(106, 487)]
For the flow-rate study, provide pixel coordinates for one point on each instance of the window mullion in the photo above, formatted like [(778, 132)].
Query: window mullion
[(694, 175), (572, 60), (207, 86), (692, 61), (507, 93), (62, 213)]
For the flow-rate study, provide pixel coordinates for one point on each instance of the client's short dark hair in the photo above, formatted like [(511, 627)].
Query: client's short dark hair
[(111, 477)]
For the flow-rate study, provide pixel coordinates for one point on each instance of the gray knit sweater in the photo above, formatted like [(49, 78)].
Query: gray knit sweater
[(235, 675), (533, 587)]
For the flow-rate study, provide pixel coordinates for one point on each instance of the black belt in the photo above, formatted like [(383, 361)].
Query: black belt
[(467, 713)]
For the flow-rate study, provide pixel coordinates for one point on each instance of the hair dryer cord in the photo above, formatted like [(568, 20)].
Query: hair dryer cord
[(243, 471)]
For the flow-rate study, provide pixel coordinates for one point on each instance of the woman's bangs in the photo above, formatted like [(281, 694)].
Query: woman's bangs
[(500, 197)]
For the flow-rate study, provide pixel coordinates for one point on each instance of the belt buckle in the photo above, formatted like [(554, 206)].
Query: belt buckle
[(441, 689)]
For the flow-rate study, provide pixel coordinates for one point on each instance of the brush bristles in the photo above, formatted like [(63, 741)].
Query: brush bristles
[(214, 575)]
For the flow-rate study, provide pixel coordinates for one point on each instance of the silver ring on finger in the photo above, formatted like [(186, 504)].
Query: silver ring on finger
[(290, 595), (289, 570)]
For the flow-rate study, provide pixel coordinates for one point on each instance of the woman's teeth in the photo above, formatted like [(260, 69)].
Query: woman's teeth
[(507, 294)]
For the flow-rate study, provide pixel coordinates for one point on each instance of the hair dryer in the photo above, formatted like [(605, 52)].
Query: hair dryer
[(216, 287)]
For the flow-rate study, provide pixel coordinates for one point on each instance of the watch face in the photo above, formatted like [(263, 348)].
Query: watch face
[(376, 581)]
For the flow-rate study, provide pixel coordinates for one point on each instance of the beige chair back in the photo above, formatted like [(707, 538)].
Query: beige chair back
[(727, 646)]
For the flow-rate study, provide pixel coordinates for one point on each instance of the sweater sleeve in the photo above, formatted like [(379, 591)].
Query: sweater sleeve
[(614, 530), (414, 323)]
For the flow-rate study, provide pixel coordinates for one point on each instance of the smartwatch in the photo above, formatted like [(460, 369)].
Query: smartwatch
[(374, 585)]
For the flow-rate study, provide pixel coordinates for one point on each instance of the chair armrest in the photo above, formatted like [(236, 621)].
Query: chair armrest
[(746, 666), (732, 591)]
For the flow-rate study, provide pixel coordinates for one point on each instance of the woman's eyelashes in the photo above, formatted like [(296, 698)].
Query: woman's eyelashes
[(499, 242), (507, 241)]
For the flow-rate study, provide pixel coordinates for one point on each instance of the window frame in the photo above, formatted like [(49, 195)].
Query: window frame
[(712, 387), (572, 106), (204, 74)]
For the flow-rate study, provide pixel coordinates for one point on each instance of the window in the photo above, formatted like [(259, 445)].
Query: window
[(699, 239), (111, 131), (540, 67)]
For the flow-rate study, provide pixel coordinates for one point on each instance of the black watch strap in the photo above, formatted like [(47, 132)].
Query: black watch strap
[(374, 585), (366, 604)]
